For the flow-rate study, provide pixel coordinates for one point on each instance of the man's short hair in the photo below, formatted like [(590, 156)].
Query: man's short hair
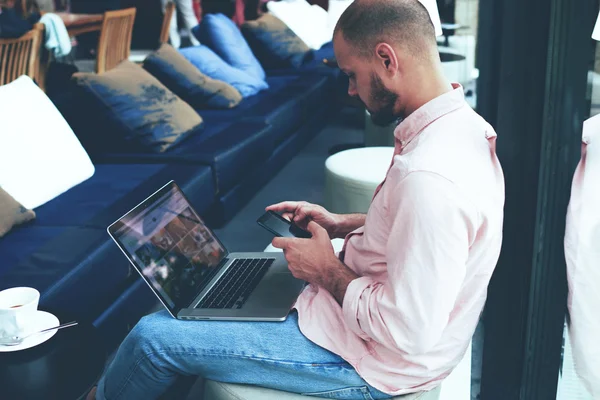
[(403, 22)]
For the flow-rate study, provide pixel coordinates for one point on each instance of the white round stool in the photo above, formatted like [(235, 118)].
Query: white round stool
[(352, 176), (231, 391)]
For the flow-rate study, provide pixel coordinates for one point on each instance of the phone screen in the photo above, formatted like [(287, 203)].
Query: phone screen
[(279, 226)]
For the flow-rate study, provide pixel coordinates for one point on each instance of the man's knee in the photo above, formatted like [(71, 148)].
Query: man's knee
[(148, 335)]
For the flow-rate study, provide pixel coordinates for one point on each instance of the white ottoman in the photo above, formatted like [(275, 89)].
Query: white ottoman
[(230, 391), (352, 176)]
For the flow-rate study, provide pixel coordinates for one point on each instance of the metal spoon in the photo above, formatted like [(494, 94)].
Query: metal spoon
[(17, 340)]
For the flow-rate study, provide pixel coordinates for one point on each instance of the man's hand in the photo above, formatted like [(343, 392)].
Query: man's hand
[(301, 213), (314, 261)]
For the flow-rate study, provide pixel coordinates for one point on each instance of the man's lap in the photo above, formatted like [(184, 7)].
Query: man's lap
[(268, 354)]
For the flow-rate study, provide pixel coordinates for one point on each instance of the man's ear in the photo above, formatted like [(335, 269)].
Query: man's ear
[(387, 57)]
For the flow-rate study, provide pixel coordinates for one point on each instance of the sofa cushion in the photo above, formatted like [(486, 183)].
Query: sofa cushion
[(117, 188), (285, 106), (231, 149), (275, 45), (134, 110), (67, 255), (209, 63), (12, 213), (220, 33), (187, 82)]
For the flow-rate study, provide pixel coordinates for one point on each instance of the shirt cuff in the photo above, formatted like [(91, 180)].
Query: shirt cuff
[(351, 302)]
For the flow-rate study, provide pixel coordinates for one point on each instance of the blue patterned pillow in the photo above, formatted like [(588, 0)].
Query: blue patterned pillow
[(213, 66), (134, 111), (186, 81), (275, 45), (220, 33)]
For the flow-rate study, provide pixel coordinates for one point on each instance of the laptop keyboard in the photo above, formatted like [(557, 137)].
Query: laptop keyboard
[(235, 286)]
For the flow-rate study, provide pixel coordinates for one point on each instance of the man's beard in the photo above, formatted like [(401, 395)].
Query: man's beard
[(385, 100)]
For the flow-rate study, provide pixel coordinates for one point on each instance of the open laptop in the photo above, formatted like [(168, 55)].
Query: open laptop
[(190, 270)]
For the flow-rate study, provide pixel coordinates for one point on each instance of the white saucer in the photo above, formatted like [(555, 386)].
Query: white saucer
[(39, 321)]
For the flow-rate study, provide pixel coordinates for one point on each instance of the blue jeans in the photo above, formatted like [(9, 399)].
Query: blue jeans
[(275, 355)]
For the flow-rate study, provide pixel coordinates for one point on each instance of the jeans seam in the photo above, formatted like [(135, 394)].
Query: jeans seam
[(275, 361), (131, 372)]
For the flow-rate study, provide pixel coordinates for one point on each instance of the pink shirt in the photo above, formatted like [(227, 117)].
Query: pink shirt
[(425, 255), (582, 251)]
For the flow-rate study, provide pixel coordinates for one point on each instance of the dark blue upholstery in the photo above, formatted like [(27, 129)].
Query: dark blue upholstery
[(290, 100), (114, 323), (68, 255), (231, 149)]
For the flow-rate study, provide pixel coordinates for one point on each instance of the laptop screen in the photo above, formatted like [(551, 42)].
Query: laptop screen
[(170, 245)]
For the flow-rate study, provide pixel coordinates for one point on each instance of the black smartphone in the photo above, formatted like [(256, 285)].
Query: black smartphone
[(281, 227)]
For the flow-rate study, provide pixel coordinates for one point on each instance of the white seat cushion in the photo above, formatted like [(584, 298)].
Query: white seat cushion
[(40, 156)]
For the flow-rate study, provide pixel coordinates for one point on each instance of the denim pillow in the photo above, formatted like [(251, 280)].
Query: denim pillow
[(186, 81), (275, 45), (213, 66), (220, 33), (133, 111)]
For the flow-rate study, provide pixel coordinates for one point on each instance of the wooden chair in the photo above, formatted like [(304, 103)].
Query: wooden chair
[(138, 56), (166, 25), (114, 45), (21, 56)]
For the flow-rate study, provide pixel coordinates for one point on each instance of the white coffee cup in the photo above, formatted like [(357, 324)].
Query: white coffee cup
[(17, 306)]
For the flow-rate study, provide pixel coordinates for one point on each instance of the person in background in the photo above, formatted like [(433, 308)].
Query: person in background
[(582, 253), (186, 8), (17, 17)]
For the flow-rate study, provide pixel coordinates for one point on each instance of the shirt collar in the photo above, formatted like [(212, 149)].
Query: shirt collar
[(412, 125)]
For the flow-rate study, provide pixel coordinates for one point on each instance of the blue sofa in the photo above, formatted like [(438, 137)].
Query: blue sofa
[(68, 256)]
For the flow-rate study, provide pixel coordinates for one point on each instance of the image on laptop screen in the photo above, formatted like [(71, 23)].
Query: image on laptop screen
[(172, 247)]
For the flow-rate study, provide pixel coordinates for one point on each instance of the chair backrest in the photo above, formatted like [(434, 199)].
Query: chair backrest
[(114, 45), (21, 56), (166, 25)]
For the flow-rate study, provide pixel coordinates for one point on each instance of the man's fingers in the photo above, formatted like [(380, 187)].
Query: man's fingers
[(315, 228), (285, 206), (305, 212), (288, 216), (282, 243)]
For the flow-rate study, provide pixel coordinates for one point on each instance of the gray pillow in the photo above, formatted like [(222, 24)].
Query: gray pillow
[(133, 111), (12, 213)]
